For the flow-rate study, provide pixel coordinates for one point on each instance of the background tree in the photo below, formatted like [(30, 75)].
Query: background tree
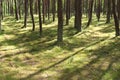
[(0, 13), (78, 15), (60, 21), (40, 19), (117, 30)]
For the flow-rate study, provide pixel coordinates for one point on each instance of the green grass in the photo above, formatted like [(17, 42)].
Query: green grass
[(92, 54)]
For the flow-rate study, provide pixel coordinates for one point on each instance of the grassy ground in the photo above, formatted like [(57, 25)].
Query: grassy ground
[(93, 54)]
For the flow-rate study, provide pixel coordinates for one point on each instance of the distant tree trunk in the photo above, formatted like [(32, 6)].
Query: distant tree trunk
[(43, 10), (19, 8), (67, 11), (16, 10), (26, 13), (78, 15), (115, 19), (95, 6), (48, 6), (35, 6), (0, 13), (53, 9), (64, 8), (90, 12), (2, 9), (108, 11), (98, 10), (118, 9), (104, 6), (60, 21), (8, 7), (40, 20), (11, 8), (31, 13)]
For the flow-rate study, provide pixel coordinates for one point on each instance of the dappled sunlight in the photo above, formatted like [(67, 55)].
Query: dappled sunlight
[(90, 54)]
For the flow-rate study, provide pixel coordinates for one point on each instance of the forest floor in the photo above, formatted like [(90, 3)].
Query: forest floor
[(93, 54)]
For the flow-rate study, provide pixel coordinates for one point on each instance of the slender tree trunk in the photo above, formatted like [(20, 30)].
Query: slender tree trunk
[(53, 9), (118, 9), (40, 20), (48, 9), (115, 19), (78, 15), (60, 21), (67, 11), (31, 13), (26, 13), (16, 10), (0, 13), (98, 10), (108, 11), (90, 12), (36, 6), (43, 10), (19, 8)]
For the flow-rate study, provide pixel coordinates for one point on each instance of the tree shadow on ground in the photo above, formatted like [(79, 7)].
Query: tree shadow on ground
[(98, 67), (59, 62), (108, 29), (33, 43)]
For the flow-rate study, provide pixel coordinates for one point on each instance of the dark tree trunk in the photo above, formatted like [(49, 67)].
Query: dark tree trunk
[(60, 21), (78, 15), (90, 12), (67, 11), (53, 8), (98, 10), (43, 10), (108, 11), (0, 13), (11, 8), (36, 7), (40, 21), (48, 9), (16, 10), (31, 13), (118, 9), (26, 13), (19, 8), (115, 19)]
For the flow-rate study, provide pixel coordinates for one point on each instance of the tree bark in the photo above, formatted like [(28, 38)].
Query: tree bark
[(60, 21), (0, 13), (90, 12), (26, 13), (117, 30), (40, 20), (31, 13), (78, 15)]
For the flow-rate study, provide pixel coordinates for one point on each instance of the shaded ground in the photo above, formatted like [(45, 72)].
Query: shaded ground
[(90, 55)]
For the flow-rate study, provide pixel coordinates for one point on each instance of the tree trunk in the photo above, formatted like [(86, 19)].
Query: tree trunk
[(67, 11), (98, 10), (40, 21), (16, 10), (90, 12), (108, 11), (60, 21), (53, 9), (0, 13), (26, 13), (78, 15), (31, 13), (115, 18)]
